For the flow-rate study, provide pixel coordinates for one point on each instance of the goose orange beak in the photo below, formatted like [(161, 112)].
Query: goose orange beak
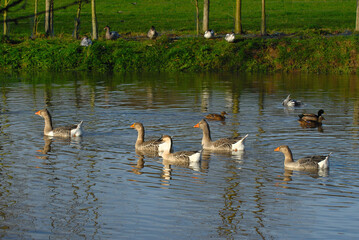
[(37, 113), (277, 149), (133, 125), (196, 126)]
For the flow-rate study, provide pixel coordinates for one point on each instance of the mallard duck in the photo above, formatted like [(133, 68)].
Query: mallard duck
[(311, 124), (223, 144), (182, 156), (215, 116), (311, 116), (230, 37), (66, 131), (85, 42), (288, 102), (141, 144), (209, 34), (111, 35), (152, 33), (306, 163)]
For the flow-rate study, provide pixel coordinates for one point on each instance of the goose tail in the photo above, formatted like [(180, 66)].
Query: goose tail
[(239, 146), (196, 157), (325, 163), (77, 131)]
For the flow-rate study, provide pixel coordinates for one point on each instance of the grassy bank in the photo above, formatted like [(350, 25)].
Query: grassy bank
[(136, 16), (335, 54), (305, 51)]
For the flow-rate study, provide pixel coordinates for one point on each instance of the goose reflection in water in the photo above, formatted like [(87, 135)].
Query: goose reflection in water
[(201, 166), (151, 154), (167, 167), (46, 148), (288, 174), (136, 169), (236, 155), (75, 142), (140, 164), (286, 178)]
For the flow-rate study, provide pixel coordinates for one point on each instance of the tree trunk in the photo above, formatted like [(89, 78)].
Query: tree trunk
[(94, 21), (263, 25), (357, 18), (36, 20), (205, 15), (77, 20), (49, 7), (47, 16), (5, 17), (197, 16), (52, 18), (238, 20)]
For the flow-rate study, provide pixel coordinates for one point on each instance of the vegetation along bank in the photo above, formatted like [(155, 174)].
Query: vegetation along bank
[(331, 54), (33, 40)]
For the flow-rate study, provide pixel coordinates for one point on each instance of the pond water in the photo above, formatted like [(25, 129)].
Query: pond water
[(98, 187)]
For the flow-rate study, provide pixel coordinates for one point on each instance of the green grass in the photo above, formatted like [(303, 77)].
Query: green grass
[(336, 54), (309, 49), (178, 16)]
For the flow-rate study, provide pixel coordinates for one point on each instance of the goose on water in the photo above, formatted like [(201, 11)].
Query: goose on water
[(141, 144), (182, 156), (66, 131), (223, 144), (306, 163)]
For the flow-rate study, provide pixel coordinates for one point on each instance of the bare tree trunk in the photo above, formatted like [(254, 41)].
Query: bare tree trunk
[(94, 21), (36, 20), (77, 20), (263, 25), (197, 16), (6, 2), (357, 18), (49, 7), (205, 15), (52, 18), (238, 20), (47, 16)]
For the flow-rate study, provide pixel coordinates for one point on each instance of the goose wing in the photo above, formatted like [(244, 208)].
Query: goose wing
[(225, 142), (187, 156), (311, 161), (151, 144), (183, 155), (65, 130)]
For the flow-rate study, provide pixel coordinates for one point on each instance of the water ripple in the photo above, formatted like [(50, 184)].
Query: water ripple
[(97, 186)]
